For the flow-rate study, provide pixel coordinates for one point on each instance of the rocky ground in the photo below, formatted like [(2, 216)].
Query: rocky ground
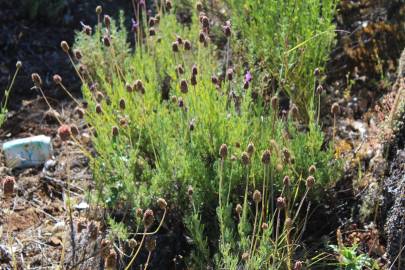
[(35, 222)]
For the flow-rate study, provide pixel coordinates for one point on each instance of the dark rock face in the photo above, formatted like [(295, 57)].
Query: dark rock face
[(395, 222), (394, 187)]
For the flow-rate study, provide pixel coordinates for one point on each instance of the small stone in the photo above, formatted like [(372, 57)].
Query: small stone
[(55, 241), (50, 165), (59, 227), (82, 206)]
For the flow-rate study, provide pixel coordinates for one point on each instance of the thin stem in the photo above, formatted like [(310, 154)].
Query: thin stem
[(7, 92), (252, 247), (300, 205), (69, 94), (137, 251), (147, 260), (47, 102)]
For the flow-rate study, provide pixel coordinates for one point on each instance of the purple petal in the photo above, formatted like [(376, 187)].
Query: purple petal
[(248, 76)]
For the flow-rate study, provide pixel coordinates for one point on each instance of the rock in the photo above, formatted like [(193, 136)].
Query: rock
[(27, 152), (5, 256), (58, 227), (55, 241), (395, 223), (82, 206), (50, 165)]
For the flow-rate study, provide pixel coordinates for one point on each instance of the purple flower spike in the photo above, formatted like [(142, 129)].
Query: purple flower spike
[(134, 25), (248, 77)]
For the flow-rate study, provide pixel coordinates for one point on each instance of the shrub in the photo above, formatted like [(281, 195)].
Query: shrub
[(286, 41), (167, 122)]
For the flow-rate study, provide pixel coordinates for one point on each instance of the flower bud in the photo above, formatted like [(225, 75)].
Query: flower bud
[(227, 30), (223, 151), (139, 213), (245, 256), (57, 79), (18, 65), (335, 108), (298, 265), (98, 109), (194, 70), (265, 226), (310, 182), (183, 86), (8, 185), (65, 46), (114, 131), (266, 157), (187, 45), (162, 203), (238, 209), (80, 112), (193, 80), (199, 6), (148, 218), (319, 89), (175, 46), (312, 169), (138, 85), (257, 196), (99, 9), (169, 5), (150, 244), (64, 132), (78, 54), (180, 69), (280, 202), (111, 260), (122, 104), (74, 130), (190, 190), (245, 158), (250, 149), (202, 38), (229, 74), (128, 87), (205, 22), (132, 243), (106, 41), (214, 79), (107, 21), (151, 22), (36, 79), (152, 31)]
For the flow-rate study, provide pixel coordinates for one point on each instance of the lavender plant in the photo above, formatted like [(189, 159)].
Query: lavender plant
[(286, 41), (168, 121)]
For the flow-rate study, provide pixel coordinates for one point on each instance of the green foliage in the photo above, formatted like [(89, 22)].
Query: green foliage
[(286, 40), (351, 259), (7, 92), (152, 137)]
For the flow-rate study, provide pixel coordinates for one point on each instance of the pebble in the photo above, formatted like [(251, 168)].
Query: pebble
[(50, 165)]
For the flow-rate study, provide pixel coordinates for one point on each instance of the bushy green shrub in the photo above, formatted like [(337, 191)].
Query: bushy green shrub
[(286, 40), (161, 117)]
